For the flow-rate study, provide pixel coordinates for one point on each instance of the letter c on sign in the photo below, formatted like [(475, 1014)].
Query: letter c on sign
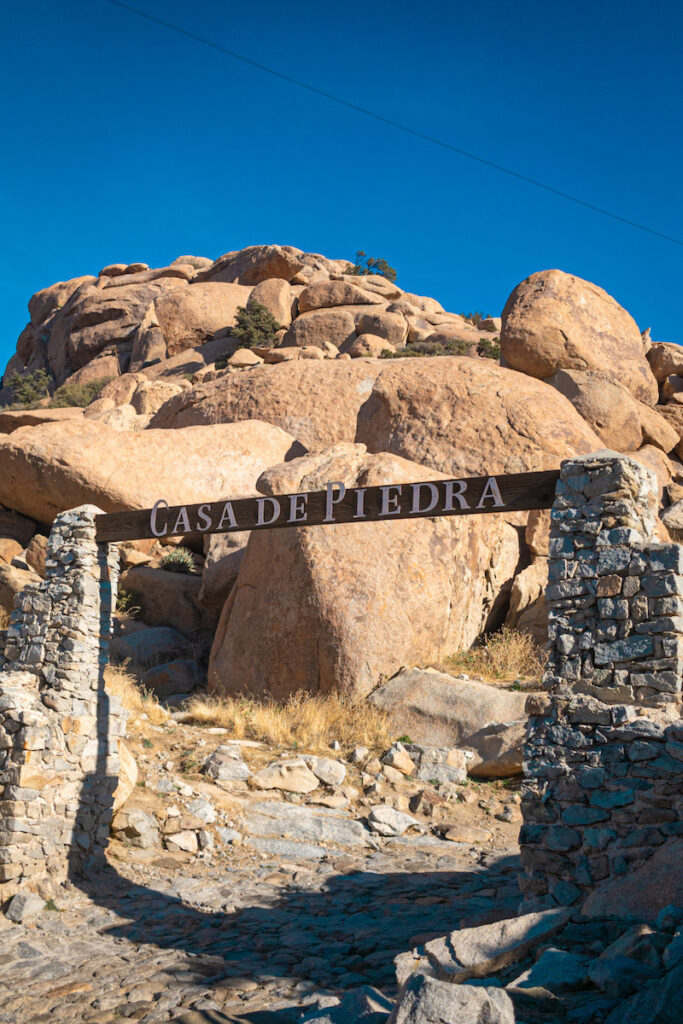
[(153, 518)]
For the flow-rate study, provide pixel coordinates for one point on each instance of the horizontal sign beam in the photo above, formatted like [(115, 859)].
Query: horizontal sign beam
[(337, 504)]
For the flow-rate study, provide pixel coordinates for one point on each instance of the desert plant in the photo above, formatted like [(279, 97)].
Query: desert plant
[(143, 707), (179, 560), (505, 655), (72, 393), (256, 326), (28, 389), (127, 603), (489, 348), (477, 317), (445, 347), (303, 720), (366, 265)]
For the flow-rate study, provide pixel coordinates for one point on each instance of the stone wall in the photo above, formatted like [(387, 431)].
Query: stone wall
[(604, 755), (59, 729)]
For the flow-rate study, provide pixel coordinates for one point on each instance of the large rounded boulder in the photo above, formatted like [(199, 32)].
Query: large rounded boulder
[(554, 321), (315, 401), (46, 469), (470, 416), (339, 607)]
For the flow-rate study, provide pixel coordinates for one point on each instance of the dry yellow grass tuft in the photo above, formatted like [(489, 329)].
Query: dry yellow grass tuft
[(303, 720), (4, 618), (506, 655), (135, 700)]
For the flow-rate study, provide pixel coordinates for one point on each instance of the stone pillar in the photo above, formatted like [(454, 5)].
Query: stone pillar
[(604, 754), (59, 729)]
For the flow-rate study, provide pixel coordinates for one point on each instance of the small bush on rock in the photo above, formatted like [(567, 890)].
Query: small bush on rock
[(28, 389), (505, 655), (476, 318), (489, 349), (72, 394), (366, 265), (256, 326), (178, 560)]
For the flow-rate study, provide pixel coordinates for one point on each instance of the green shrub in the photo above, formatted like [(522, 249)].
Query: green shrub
[(28, 389), (489, 348), (72, 393), (445, 347), (126, 603), (366, 265), (256, 326), (178, 560), (476, 318)]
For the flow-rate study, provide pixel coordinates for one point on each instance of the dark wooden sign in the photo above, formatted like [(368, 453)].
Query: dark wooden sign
[(515, 492)]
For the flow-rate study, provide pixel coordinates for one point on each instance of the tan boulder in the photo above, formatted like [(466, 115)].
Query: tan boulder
[(325, 325), (374, 283), (322, 609), (537, 532), (318, 404), (122, 417), (423, 303), (656, 429), (443, 711), (128, 777), (48, 301), (12, 582), (13, 419), (470, 416), (166, 598), (113, 270), (369, 345), (44, 470), (528, 612), (184, 273), (105, 366), (255, 264), (95, 318), (334, 293), (9, 549), (281, 354), (36, 553), (190, 316), (293, 776), (243, 358), (150, 395), (554, 321), (391, 326), (604, 404), (642, 892), (276, 296), (672, 388), (664, 359)]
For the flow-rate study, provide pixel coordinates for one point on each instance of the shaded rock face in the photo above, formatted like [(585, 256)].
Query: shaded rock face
[(554, 321), (604, 404), (316, 402), (468, 417), (323, 609), (46, 469)]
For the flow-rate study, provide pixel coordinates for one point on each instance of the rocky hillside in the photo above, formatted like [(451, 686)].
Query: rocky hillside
[(327, 375)]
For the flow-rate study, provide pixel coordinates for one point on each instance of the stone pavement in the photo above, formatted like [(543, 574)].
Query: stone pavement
[(256, 941)]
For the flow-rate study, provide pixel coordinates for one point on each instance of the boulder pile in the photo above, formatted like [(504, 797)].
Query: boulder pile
[(353, 386)]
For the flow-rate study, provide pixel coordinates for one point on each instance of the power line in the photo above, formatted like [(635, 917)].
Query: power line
[(394, 124)]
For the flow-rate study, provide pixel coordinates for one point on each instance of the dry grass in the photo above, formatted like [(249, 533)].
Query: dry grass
[(312, 722), (506, 656), (137, 701), (4, 618)]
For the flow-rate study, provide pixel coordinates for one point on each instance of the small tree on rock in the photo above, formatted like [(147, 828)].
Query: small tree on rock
[(366, 265), (256, 326)]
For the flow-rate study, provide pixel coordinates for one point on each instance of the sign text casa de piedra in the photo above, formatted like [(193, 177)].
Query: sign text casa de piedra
[(337, 504)]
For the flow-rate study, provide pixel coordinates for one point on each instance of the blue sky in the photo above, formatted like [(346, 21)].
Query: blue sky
[(125, 141)]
